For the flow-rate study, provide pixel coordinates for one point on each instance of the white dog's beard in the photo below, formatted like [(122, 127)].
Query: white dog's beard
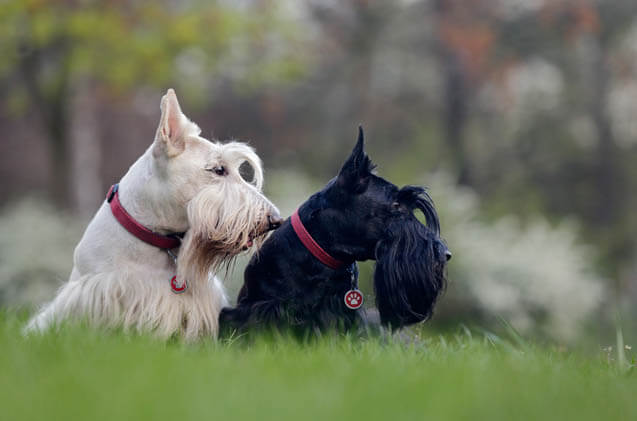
[(222, 221)]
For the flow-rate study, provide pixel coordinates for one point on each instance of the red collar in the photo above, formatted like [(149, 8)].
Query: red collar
[(137, 229), (311, 245)]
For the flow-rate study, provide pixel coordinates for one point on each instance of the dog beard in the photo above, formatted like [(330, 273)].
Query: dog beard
[(410, 262), (222, 221)]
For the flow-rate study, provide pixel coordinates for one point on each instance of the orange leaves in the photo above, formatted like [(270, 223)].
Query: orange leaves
[(472, 42)]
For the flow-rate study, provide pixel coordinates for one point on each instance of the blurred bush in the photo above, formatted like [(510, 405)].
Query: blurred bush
[(36, 251), (537, 276)]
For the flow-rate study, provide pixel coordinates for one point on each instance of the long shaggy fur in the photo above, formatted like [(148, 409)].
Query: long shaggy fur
[(128, 300), (221, 220), (182, 183), (357, 216), (409, 272)]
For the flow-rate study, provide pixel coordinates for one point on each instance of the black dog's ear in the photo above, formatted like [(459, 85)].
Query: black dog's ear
[(356, 171), (416, 197)]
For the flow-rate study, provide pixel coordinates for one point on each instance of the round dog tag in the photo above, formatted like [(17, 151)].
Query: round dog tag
[(353, 299), (178, 287)]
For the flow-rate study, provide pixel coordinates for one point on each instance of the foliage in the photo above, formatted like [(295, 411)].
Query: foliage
[(36, 252), (125, 45), (538, 276), (80, 374), (59, 53)]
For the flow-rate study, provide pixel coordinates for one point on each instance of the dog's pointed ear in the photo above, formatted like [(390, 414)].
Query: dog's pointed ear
[(356, 171), (173, 128)]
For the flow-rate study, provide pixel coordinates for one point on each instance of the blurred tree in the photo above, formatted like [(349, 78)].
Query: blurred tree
[(464, 43), (56, 51), (580, 39), (531, 103)]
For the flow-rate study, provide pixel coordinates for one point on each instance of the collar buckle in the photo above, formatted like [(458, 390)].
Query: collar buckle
[(111, 192)]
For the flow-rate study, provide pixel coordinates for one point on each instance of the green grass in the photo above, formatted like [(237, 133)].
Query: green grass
[(90, 375)]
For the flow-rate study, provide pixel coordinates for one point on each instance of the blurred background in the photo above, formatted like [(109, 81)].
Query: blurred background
[(519, 115)]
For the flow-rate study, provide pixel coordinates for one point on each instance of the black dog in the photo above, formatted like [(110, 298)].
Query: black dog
[(304, 276)]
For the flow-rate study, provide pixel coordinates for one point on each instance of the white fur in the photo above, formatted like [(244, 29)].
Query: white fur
[(119, 281)]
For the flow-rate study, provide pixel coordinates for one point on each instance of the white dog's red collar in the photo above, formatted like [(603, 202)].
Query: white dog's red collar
[(138, 230)]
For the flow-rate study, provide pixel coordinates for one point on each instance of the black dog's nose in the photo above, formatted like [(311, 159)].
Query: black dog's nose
[(274, 221), (448, 255)]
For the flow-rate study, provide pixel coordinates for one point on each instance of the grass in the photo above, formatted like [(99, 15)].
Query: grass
[(90, 375)]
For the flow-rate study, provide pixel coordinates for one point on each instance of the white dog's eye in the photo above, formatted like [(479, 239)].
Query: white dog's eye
[(220, 170)]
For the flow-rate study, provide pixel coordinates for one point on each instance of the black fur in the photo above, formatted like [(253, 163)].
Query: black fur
[(357, 216)]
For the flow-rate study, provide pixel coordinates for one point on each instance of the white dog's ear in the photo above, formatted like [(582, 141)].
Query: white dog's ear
[(173, 128)]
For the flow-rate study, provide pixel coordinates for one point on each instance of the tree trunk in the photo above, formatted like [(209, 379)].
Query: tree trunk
[(608, 174), (60, 162), (455, 112), (52, 109), (85, 154)]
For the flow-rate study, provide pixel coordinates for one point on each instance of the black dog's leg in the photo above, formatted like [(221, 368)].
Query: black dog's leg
[(231, 321)]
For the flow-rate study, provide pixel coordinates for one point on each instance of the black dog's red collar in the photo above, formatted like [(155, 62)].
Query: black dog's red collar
[(311, 245), (134, 227)]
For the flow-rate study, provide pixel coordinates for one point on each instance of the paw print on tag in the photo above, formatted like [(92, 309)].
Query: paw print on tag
[(353, 299)]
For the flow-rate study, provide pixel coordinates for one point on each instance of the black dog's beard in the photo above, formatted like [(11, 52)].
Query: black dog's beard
[(409, 274)]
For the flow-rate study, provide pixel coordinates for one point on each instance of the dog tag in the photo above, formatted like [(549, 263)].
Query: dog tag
[(178, 287), (353, 299)]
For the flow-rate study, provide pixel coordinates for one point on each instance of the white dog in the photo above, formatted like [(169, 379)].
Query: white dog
[(125, 273)]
